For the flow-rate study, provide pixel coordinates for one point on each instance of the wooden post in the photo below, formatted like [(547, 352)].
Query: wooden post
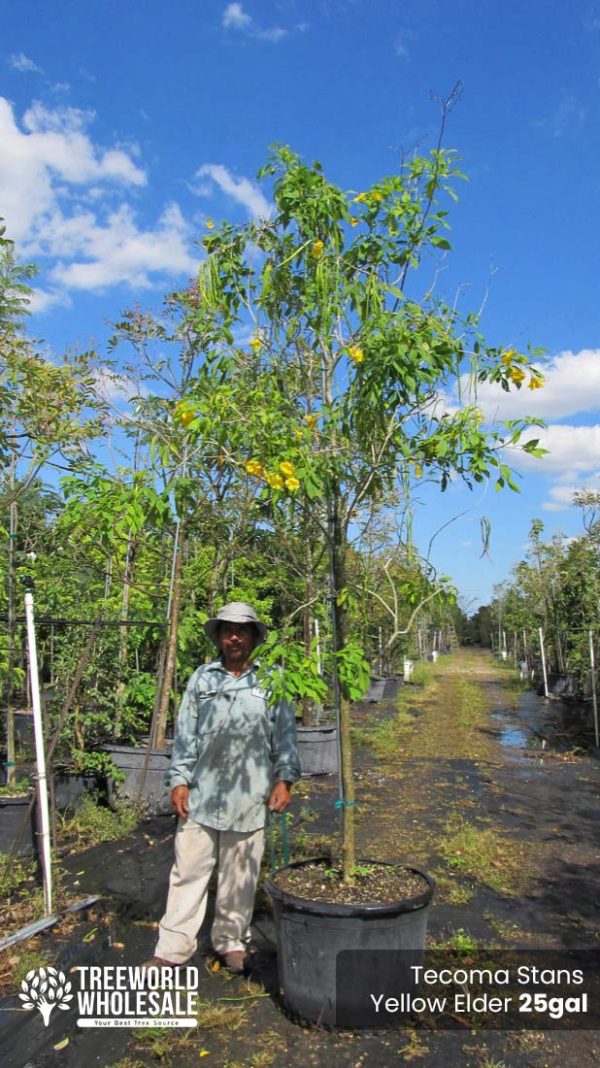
[(594, 696), (544, 672)]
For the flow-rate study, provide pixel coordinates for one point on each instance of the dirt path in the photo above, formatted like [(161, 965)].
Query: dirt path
[(453, 780)]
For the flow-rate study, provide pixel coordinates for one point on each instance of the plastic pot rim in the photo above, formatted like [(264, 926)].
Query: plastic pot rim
[(326, 908)]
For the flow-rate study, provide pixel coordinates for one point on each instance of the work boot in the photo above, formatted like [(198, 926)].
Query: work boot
[(235, 961)]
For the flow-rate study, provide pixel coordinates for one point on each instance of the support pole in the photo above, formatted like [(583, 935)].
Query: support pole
[(42, 783), (544, 672), (594, 695)]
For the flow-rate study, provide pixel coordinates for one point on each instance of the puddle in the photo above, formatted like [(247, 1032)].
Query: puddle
[(512, 736)]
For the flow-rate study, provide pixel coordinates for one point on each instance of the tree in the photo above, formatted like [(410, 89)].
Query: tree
[(349, 367)]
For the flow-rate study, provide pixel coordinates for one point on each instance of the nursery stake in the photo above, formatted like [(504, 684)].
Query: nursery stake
[(42, 784)]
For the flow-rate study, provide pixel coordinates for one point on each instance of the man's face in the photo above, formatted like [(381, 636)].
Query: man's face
[(236, 642)]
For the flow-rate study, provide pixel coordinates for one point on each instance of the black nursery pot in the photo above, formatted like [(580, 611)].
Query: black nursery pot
[(17, 826), (332, 958), (144, 778)]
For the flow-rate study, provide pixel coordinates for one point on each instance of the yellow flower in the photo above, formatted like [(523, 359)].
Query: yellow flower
[(256, 343), (209, 224), (356, 353), (298, 433), (354, 221), (360, 199), (509, 356), (253, 467), (311, 421), (536, 382), (317, 248), (275, 481), (286, 468), (516, 375), (292, 484)]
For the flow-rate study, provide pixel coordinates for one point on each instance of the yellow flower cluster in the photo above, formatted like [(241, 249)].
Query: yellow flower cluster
[(516, 375), (536, 381), (317, 248), (253, 467), (364, 198), (509, 356), (356, 353), (275, 480)]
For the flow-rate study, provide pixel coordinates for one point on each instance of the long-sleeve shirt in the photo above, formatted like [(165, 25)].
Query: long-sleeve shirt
[(230, 747)]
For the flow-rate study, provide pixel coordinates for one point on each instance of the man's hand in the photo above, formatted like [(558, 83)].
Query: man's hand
[(280, 798), (180, 800)]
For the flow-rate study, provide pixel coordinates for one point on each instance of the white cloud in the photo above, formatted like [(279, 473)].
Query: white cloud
[(115, 388), (235, 18), (571, 450), (572, 386), (42, 300), (561, 495), (19, 61), (241, 190), (64, 199), (119, 252), (52, 148)]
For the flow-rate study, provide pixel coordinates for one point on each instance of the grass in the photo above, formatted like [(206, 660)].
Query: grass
[(92, 823), (483, 854), (452, 891)]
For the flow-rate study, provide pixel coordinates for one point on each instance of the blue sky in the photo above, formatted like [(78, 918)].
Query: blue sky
[(122, 127)]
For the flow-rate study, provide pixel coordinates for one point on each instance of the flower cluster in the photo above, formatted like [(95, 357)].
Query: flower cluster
[(278, 480), (317, 248), (517, 374), (356, 353), (365, 198)]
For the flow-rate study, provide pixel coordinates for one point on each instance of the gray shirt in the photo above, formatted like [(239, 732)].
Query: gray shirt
[(230, 747)]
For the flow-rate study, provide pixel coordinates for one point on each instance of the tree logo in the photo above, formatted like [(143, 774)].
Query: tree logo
[(44, 989)]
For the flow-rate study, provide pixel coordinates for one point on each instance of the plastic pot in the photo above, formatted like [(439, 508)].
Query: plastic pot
[(17, 826), (70, 787), (312, 934), (318, 750), (148, 785)]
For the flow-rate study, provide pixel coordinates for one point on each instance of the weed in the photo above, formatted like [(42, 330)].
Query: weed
[(483, 854), (453, 892), (18, 789), (29, 959), (213, 1017), (14, 874), (156, 1040), (423, 673), (462, 943), (92, 824)]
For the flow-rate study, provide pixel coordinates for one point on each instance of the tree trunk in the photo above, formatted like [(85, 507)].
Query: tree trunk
[(171, 650), (337, 556), (11, 771), (122, 658)]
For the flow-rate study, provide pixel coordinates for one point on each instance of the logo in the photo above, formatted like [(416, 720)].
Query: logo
[(116, 995), (46, 989)]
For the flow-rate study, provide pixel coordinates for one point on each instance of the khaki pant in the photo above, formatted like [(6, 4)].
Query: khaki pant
[(197, 849)]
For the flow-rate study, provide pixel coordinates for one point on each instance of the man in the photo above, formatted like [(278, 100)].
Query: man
[(234, 754)]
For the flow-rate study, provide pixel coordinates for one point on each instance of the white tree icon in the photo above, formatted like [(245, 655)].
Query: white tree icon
[(44, 989)]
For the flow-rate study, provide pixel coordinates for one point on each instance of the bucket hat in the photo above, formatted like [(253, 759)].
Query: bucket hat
[(235, 612)]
